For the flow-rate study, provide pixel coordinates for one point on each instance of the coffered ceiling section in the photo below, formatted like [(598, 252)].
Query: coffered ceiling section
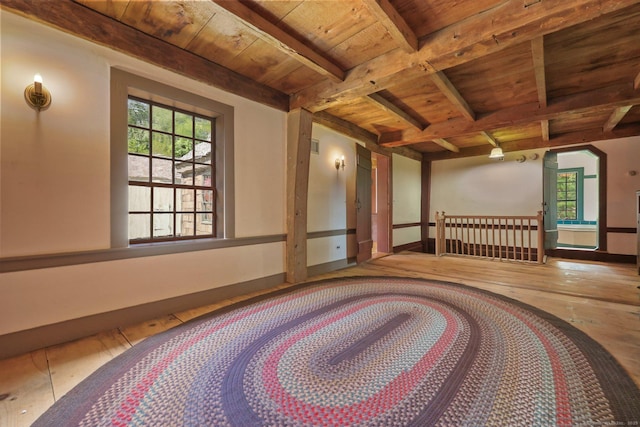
[(446, 78)]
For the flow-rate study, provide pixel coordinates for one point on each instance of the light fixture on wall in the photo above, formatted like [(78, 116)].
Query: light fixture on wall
[(340, 163), (496, 153), (36, 95)]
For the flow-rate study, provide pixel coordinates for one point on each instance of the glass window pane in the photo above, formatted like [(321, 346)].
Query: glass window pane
[(204, 224), (139, 226), (161, 119), (203, 175), (161, 145), (184, 124), (138, 113), (169, 149), (184, 173), (138, 141), (203, 129), (139, 198), (162, 199), (162, 225), (203, 152), (184, 224), (138, 168), (162, 170), (183, 148), (185, 199), (204, 200)]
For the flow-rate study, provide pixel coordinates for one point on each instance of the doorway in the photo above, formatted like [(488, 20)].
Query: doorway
[(380, 204), (575, 199)]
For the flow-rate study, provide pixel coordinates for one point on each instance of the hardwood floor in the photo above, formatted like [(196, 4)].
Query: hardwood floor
[(603, 300)]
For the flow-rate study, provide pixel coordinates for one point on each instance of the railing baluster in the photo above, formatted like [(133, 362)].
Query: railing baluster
[(521, 239), (529, 239), (510, 244), (486, 237), (514, 239), (493, 237), (457, 238)]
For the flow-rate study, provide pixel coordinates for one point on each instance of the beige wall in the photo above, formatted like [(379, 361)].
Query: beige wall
[(406, 204), (55, 178), (327, 199), (623, 156)]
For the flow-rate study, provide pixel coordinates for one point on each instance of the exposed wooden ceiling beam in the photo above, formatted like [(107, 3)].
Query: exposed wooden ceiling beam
[(572, 138), (383, 103), (449, 90), (604, 98), (369, 139), (281, 40), (395, 24), (446, 144), (544, 130), (90, 25), (537, 50), (615, 118), (464, 41), (489, 138)]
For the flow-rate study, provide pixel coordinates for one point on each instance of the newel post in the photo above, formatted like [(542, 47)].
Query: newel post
[(540, 237), (440, 242)]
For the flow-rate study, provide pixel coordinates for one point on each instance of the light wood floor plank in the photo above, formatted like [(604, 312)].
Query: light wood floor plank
[(25, 389), (136, 333), (72, 362)]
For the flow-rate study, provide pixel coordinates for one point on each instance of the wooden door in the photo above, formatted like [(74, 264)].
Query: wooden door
[(383, 204), (638, 229), (363, 204), (550, 196)]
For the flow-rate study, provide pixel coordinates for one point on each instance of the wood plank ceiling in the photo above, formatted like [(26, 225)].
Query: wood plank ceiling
[(443, 78)]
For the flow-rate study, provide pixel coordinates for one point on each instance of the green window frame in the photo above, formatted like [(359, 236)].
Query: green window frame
[(570, 194)]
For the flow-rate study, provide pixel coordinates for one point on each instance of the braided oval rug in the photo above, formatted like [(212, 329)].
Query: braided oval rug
[(360, 351)]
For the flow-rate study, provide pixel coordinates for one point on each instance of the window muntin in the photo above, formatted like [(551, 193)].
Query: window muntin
[(170, 169)]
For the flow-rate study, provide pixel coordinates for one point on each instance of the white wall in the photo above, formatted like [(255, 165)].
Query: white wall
[(407, 185), (623, 156), (483, 186), (55, 195), (327, 195)]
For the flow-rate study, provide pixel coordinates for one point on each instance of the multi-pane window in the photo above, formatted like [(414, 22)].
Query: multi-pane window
[(568, 195), (171, 165)]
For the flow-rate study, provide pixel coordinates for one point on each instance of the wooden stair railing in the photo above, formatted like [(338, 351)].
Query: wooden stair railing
[(516, 238)]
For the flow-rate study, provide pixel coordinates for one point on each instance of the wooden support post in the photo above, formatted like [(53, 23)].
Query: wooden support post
[(299, 123)]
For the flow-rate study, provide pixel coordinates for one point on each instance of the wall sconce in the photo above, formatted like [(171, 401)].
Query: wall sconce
[(496, 153), (36, 95), (340, 163)]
